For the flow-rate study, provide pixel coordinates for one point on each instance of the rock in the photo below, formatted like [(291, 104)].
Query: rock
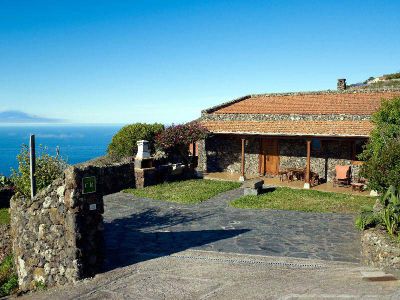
[(378, 207), (379, 250)]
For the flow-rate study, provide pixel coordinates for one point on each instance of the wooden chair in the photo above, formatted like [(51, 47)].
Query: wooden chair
[(343, 176)]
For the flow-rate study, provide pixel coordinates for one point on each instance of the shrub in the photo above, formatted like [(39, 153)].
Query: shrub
[(48, 168), (367, 219), (8, 277), (389, 216), (382, 153), (392, 76), (5, 182), (391, 211), (175, 140), (123, 144)]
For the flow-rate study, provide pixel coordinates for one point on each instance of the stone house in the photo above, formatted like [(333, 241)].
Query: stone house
[(264, 134)]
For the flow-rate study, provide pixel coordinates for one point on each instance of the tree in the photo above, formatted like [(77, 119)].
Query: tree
[(382, 153), (124, 142), (175, 140)]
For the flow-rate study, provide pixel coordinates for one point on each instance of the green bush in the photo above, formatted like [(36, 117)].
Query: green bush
[(5, 182), (8, 277), (382, 153), (367, 219), (388, 216), (391, 211), (392, 76), (123, 144), (48, 168)]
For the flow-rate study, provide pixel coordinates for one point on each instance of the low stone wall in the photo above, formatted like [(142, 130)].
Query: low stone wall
[(378, 250), (58, 235)]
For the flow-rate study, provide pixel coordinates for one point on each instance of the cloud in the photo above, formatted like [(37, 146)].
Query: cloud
[(16, 116)]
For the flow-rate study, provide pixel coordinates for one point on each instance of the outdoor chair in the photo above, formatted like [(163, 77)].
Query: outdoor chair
[(343, 176)]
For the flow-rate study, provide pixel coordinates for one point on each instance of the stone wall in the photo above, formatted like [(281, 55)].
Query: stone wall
[(293, 154), (58, 235), (222, 153), (378, 250), (5, 241)]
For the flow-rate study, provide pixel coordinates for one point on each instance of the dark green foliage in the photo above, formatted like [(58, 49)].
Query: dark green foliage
[(389, 216), (8, 277), (382, 153), (391, 211), (367, 218), (123, 144), (392, 76), (5, 182), (48, 168)]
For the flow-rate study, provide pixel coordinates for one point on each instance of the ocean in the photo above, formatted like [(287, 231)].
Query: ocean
[(77, 143)]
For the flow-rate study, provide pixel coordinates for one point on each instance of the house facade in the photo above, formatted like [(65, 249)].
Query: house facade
[(265, 134)]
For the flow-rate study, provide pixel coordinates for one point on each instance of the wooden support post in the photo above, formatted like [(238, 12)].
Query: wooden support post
[(242, 177), (308, 166), (32, 162)]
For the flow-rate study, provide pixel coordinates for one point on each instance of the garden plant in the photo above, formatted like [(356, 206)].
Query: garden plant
[(175, 140), (48, 168), (124, 142), (382, 153)]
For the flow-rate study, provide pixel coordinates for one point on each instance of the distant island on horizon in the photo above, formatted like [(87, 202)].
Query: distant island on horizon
[(16, 116)]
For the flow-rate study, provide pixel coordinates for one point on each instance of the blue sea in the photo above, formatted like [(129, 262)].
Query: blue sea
[(77, 143)]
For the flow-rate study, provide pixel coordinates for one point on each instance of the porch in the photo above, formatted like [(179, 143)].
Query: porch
[(238, 157), (296, 184)]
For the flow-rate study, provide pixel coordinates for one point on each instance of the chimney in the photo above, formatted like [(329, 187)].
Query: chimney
[(341, 84)]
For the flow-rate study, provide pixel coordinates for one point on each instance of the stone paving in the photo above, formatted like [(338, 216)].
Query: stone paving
[(136, 226), (214, 275), (160, 250)]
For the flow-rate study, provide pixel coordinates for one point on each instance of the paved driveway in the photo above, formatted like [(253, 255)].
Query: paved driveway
[(138, 228)]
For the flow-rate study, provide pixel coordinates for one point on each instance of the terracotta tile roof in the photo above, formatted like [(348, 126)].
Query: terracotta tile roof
[(287, 127), (323, 103)]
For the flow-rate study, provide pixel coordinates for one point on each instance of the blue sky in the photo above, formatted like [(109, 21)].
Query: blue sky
[(129, 61)]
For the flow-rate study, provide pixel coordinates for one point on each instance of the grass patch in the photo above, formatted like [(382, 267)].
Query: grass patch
[(304, 200), (187, 192), (8, 277), (4, 216)]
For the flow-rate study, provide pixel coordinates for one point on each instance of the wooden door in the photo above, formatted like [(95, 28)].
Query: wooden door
[(269, 156)]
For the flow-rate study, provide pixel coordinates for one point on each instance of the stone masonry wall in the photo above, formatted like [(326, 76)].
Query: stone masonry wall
[(293, 154), (58, 235), (222, 153), (378, 250)]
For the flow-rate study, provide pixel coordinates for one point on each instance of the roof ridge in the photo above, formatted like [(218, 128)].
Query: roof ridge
[(321, 92)]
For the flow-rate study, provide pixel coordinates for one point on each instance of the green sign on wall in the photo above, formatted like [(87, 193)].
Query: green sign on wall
[(89, 185)]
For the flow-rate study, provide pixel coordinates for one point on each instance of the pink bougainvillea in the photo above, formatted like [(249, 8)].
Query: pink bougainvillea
[(178, 137)]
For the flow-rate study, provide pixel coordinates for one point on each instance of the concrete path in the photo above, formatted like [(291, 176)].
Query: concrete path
[(134, 226), (212, 275)]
